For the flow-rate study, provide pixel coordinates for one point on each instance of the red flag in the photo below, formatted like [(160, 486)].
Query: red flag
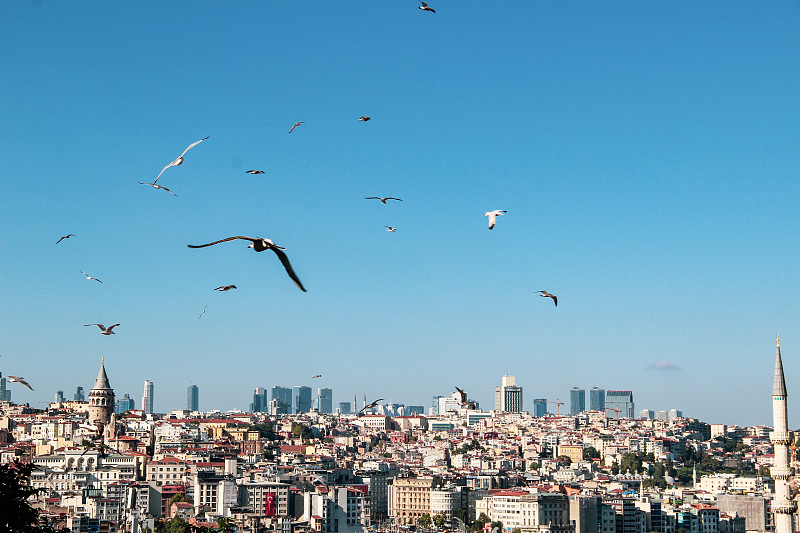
[(269, 504)]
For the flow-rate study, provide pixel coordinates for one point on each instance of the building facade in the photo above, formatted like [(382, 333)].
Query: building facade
[(597, 399), (577, 400), (622, 400)]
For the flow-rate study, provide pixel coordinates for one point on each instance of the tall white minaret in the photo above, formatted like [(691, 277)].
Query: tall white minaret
[(783, 507)]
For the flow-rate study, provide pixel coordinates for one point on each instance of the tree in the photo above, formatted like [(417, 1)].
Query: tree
[(497, 524), (480, 522), (439, 519), (16, 512), (425, 520), (591, 453), (226, 524), (177, 498), (265, 431), (175, 525)]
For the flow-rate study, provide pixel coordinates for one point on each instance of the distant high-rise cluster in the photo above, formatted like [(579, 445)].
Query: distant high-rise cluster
[(302, 398), (597, 399), (193, 398), (325, 400), (345, 408), (508, 396), (147, 397), (5, 392), (79, 395), (540, 407), (260, 401), (281, 401)]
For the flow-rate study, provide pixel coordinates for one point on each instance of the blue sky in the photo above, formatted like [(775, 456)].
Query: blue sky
[(646, 153)]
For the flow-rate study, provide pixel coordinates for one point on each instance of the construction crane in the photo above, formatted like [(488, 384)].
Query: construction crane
[(558, 406), (613, 409)]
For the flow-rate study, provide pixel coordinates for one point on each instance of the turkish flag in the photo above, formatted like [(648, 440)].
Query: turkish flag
[(269, 504)]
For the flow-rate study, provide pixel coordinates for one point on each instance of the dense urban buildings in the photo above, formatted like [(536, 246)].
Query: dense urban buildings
[(392, 467)]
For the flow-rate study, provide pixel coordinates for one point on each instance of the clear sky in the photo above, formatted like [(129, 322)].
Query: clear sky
[(646, 152)]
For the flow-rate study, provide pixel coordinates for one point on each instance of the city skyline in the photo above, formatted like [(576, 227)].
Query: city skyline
[(644, 155)]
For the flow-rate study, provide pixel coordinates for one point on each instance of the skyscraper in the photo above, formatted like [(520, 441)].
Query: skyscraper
[(124, 404), (284, 397), (597, 399), (302, 399), (79, 395), (435, 405), (508, 396), (147, 397), (622, 400), (577, 400), (5, 392), (193, 398), (783, 506), (540, 407), (59, 396), (260, 400), (344, 407), (325, 397)]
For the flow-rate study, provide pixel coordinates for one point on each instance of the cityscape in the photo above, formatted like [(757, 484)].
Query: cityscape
[(401, 266), (294, 463)]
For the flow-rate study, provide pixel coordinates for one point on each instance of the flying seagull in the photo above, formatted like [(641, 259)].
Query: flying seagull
[(223, 288), (17, 379), (464, 402), (66, 237), (370, 406), (156, 186), (546, 294), (295, 125), (104, 330), (259, 245), (364, 118), (493, 216), (425, 7), (255, 172), (88, 276), (383, 200), (180, 158), (202, 313), (316, 376), (390, 228)]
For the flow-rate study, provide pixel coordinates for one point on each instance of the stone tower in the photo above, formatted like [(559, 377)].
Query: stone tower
[(101, 400), (783, 506)]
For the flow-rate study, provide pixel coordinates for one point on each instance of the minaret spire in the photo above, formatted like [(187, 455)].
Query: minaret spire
[(783, 506)]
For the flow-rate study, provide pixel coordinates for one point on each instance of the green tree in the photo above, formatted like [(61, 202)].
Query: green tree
[(425, 520), (439, 519), (497, 524), (226, 525), (175, 525), (480, 522), (590, 452), (177, 498), (265, 431), (16, 512)]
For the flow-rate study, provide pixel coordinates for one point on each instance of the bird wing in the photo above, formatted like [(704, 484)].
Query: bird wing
[(162, 171), (169, 191), (192, 146), (372, 198), (62, 238), (293, 127), (97, 280), (23, 382), (222, 240), (101, 326), (288, 267), (391, 198), (111, 327), (555, 299)]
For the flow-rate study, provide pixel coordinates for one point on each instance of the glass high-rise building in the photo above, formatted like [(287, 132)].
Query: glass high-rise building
[(147, 397), (124, 404), (59, 396), (284, 397), (325, 397), (508, 396), (344, 407), (435, 405), (79, 395), (577, 400), (622, 400), (193, 398), (260, 401), (302, 399), (540, 407), (597, 399), (5, 392)]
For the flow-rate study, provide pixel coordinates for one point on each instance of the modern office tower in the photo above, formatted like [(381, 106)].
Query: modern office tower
[(647, 414), (661, 415), (673, 414), (5, 393), (79, 395), (597, 399), (124, 404), (147, 397), (783, 505), (284, 396), (260, 401), (577, 400), (344, 408), (622, 400), (412, 410), (59, 396), (540, 407), (193, 398), (508, 396), (325, 397), (435, 405), (277, 407), (302, 398)]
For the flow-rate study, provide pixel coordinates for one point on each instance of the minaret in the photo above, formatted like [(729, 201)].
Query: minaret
[(101, 400), (783, 506)]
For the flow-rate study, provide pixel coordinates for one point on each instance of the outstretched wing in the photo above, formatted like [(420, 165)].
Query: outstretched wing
[(111, 327), (193, 145), (288, 267), (222, 240), (159, 174)]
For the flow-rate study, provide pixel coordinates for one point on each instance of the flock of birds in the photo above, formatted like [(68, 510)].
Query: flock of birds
[(260, 244)]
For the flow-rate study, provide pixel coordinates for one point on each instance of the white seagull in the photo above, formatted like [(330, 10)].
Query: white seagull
[(390, 228), (104, 330), (155, 186), (180, 158), (17, 379), (259, 245), (88, 276), (493, 216)]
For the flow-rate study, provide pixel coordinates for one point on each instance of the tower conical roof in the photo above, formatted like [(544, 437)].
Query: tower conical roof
[(779, 384), (102, 379)]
